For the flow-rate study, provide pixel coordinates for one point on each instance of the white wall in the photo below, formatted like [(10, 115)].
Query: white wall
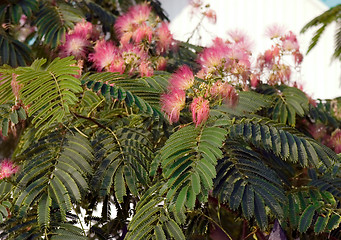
[(321, 77)]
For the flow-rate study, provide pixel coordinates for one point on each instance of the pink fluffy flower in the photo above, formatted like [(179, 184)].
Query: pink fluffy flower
[(289, 42), (196, 3), (165, 38), (146, 69), (182, 79), (7, 168), (284, 73), (140, 13), (298, 57), (117, 65), (128, 23), (254, 80), (75, 45), (172, 103), (133, 56), (105, 53), (238, 36), (213, 57), (200, 108), (225, 91), (84, 28), (275, 31), (143, 32)]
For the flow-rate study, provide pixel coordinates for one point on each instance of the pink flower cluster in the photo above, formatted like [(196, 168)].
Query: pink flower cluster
[(224, 91), (202, 94), (200, 109), (227, 59), (7, 168), (174, 101), (138, 27), (271, 64), (78, 41), (138, 32)]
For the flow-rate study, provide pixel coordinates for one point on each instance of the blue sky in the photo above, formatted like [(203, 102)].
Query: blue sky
[(331, 3)]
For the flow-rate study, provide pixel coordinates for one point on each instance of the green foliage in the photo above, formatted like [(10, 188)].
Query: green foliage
[(122, 158), (10, 115), (12, 51), (189, 157), (332, 15), (144, 93), (285, 142), (55, 176), (53, 21), (89, 143), (244, 181), (152, 219), (12, 10), (289, 102), (55, 79), (306, 205)]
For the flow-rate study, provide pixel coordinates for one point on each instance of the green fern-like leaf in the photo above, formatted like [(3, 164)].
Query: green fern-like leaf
[(151, 219), (322, 21), (243, 180), (306, 205), (4, 210), (54, 175), (106, 17), (50, 91), (188, 161), (144, 92), (12, 51), (289, 102), (123, 157), (285, 142), (44, 211), (9, 114), (67, 231), (13, 11), (249, 102), (53, 21)]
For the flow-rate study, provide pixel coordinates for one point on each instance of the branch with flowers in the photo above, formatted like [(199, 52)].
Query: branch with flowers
[(128, 133)]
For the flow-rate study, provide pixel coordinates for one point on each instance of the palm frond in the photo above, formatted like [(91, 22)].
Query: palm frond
[(322, 21)]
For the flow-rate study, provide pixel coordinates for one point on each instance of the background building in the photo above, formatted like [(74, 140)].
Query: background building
[(320, 77)]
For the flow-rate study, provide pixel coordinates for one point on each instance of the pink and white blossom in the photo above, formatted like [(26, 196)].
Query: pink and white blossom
[(127, 24), (211, 15), (182, 79), (289, 42), (172, 103), (85, 29), (146, 69), (275, 31), (105, 53), (7, 168), (143, 32), (200, 109), (165, 38), (75, 45)]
